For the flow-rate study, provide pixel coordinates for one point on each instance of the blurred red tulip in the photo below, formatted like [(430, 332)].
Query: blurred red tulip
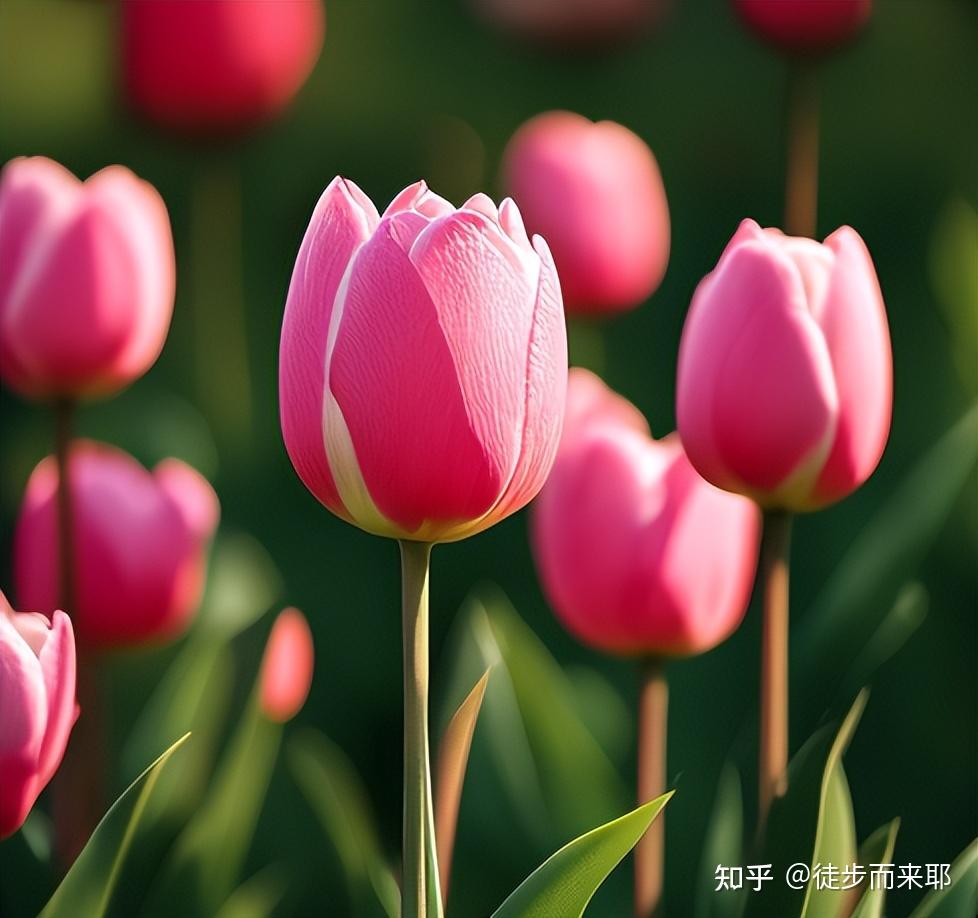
[(287, 666), (37, 706), (217, 66), (140, 541), (594, 192), (805, 25), (86, 279)]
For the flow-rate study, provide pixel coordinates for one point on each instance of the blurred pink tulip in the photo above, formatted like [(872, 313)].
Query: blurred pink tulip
[(213, 66), (287, 666), (423, 362), (574, 23), (637, 554), (86, 279), (37, 706), (140, 538), (595, 192), (785, 375), (805, 25)]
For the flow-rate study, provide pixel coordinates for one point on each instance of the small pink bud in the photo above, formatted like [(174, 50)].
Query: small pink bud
[(636, 553), (86, 279), (594, 191), (287, 666), (37, 706), (218, 66), (784, 388), (140, 538), (423, 362), (805, 25)]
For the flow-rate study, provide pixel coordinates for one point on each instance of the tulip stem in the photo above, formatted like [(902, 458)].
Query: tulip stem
[(64, 415), (801, 191), (773, 760), (420, 894), (653, 712)]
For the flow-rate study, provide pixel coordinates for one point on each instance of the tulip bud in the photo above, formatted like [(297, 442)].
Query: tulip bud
[(423, 363), (637, 554), (784, 388), (286, 667), (37, 706), (805, 25), (86, 279), (140, 539), (217, 66), (595, 192)]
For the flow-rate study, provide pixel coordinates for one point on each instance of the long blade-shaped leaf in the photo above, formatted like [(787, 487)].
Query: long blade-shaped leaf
[(564, 884), (453, 757), (877, 849), (90, 884), (723, 845), (960, 899), (258, 896)]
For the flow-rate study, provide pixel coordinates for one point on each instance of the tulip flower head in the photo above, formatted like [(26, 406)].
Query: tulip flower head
[(218, 66), (423, 362), (287, 667), (594, 191), (86, 279), (784, 388), (37, 706), (141, 540), (807, 26), (637, 554)]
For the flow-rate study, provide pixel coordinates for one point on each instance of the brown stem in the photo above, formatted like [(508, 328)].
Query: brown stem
[(64, 411), (801, 181), (773, 752), (653, 709)]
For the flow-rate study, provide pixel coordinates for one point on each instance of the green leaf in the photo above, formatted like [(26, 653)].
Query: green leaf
[(877, 849), (852, 603), (258, 896), (812, 823), (453, 758), (337, 797), (554, 770), (90, 884), (960, 899), (723, 844), (564, 884)]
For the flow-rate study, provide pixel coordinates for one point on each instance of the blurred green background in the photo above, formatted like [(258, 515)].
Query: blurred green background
[(407, 89)]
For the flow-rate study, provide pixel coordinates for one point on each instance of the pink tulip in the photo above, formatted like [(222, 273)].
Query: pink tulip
[(595, 192), (423, 362), (212, 66), (637, 554), (785, 376), (286, 668), (37, 706), (573, 22), (140, 538), (805, 25), (86, 279)]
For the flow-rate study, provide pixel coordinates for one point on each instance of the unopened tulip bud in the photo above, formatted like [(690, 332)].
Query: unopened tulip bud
[(784, 388), (808, 26), (37, 706), (423, 363), (594, 191), (287, 667), (86, 279), (637, 554), (141, 543)]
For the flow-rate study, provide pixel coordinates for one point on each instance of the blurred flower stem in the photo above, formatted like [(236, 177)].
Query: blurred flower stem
[(801, 181), (420, 894), (773, 753), (653, 712), (78, 784), (220, 346)]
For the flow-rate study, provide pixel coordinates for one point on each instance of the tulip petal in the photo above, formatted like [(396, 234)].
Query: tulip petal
[(755, 382), (853, 321), (191, 494), (590, 401), (57, 660), (344, 218), (416, 442)]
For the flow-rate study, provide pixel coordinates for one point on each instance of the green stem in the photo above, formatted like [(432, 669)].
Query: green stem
[(420, 894), (64, 414), (653, 709), (773, 757)]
